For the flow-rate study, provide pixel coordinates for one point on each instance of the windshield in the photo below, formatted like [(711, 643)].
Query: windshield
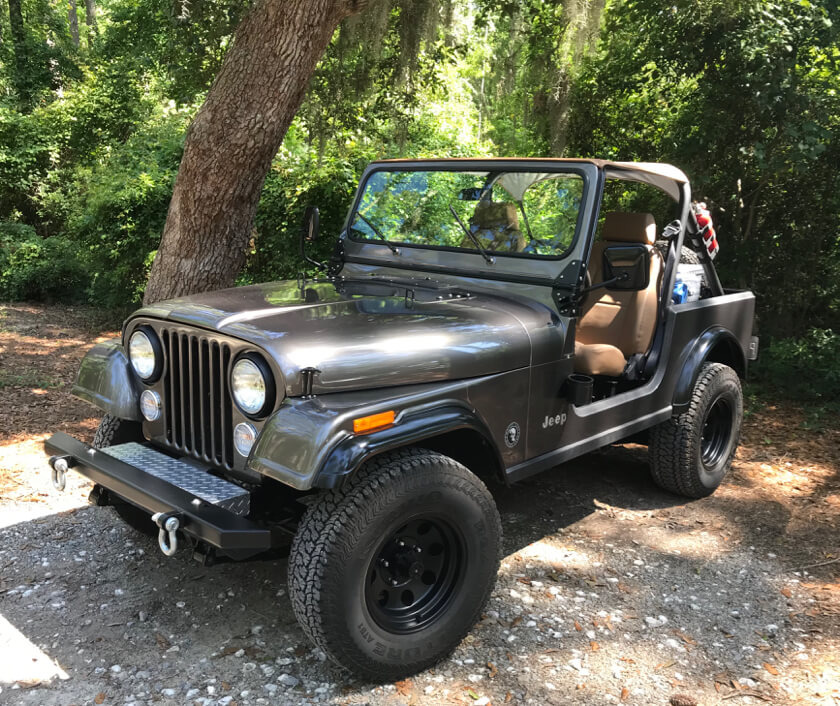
[(515, 213)]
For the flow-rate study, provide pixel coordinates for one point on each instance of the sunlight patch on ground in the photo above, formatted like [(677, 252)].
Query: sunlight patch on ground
[(26, 491), (545, 553), (23, 662)]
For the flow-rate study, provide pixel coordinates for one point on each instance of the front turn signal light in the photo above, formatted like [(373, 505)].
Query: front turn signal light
[(374, 421)]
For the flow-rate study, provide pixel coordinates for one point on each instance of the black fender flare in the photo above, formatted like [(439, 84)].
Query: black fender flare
[(350, 453), (717, 344)]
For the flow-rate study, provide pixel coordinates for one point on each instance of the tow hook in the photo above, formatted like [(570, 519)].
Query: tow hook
[(169, 524), (60, 465)]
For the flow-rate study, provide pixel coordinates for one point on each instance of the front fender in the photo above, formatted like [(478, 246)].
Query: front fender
[(106, 381), (309, 443)]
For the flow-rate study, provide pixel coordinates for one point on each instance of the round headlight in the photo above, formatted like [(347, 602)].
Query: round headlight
[(142, 354), (252, 386)]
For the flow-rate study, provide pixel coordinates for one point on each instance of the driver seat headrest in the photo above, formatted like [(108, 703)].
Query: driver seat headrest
[(623, 227)]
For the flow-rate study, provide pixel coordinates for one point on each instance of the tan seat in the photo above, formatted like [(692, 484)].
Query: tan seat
[(496, 225), (615, 324)]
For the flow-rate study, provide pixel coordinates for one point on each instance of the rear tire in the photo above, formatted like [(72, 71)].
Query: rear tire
[(388, 574), (691, 453), (110, 432)]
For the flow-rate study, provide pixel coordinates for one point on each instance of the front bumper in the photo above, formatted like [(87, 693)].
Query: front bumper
[(233, 535)]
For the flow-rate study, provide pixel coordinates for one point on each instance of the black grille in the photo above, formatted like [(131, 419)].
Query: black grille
[(197, 404)]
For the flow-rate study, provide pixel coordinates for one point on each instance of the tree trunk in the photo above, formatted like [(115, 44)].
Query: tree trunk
[(90, 19), (21, 59), (235, 135), (73, 19)]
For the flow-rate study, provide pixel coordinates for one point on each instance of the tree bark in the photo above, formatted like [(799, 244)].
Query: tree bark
[(90, 19), (232, 140), (73, 19)]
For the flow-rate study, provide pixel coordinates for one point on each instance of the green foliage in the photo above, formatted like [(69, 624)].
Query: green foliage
[(116, 209), (44, 269), (804, 368), (743, 95)]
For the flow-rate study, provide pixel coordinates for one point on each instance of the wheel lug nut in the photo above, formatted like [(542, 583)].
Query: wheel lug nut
[(394, 582), (384, 563), (417, 549), (400, 544)]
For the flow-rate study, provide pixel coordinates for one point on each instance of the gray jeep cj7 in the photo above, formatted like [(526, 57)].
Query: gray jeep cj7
[(479, 319)]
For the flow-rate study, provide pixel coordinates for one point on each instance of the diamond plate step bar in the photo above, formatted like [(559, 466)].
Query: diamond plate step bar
[(209, 488), (162, 487)]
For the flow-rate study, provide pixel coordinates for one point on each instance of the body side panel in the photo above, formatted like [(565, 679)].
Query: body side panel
[(609, 420)]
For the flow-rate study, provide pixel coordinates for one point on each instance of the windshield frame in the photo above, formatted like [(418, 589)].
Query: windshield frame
[(493, 168)]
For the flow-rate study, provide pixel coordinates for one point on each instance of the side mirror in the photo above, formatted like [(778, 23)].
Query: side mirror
[(309, 233), (627, 267)]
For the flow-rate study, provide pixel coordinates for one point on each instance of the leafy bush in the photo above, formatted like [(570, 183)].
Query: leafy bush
[(116, 210), (804, 368), (46, 269)]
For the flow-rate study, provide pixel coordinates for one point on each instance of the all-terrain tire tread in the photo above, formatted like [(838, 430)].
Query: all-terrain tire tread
[(674, 443), (322, 528)]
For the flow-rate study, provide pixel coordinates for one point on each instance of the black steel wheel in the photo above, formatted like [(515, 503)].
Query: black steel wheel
[(691, 453), (110, 432), (717, 432), (414, 575), (388, 574)]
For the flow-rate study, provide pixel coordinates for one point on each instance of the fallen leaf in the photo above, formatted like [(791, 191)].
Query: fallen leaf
[(404, 687), (625, 692), (578, 626), (523, 579), (225, 686), (100, 698), (493, 670), (594, 645), (515, 621), (472, 694), (786, 592), (508, 698), (685, 638), (770, 668), (162, 642)]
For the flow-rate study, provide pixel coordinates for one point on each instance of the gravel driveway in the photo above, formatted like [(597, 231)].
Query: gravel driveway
[(610, 592)]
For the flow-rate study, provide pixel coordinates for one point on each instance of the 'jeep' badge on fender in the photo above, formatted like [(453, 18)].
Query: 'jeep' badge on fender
[(512, 434), (555, 421)]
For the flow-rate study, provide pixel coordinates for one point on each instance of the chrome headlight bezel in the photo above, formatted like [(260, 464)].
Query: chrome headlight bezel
[(154, 347), (254, 363)]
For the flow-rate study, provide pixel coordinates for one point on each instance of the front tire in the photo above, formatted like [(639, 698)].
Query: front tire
[(111, 432), (691, 453), (388, 574)]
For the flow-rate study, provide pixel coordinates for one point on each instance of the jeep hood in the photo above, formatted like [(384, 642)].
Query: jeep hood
[(364, 335)]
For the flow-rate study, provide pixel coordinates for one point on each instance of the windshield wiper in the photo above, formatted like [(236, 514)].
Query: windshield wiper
[(378, 234), (489, 260)]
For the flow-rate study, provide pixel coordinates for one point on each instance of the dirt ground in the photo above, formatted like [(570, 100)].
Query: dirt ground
[(611, 591)]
